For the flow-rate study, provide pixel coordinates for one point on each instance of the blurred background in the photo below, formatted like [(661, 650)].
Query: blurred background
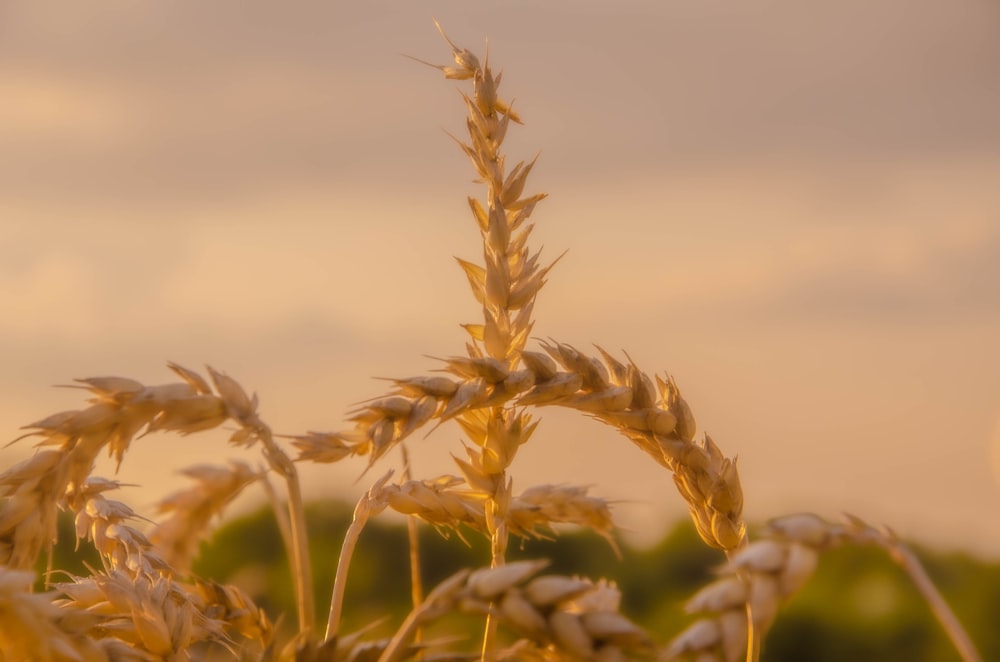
[(791, 207)]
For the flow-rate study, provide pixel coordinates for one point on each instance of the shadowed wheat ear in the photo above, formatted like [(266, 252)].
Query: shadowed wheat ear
[(768, 571)]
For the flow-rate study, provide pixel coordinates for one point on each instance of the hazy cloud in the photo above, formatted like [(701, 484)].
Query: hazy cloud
[(187, 101)]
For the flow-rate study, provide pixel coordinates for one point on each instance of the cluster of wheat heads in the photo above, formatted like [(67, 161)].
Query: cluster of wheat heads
[(144, 602)]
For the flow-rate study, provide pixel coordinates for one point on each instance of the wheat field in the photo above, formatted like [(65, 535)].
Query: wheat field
[(143, 602)]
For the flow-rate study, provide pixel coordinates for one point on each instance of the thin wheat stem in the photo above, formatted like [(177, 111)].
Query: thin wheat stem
[(910, 564), (280, 516), (952, 626), (489, 637), (412, 534), (343, 563), (439, 600), (753, 638), (371, 503), (301, 565), (49, 565)]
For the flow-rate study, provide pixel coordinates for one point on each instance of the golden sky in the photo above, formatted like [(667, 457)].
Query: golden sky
[(791, 207)]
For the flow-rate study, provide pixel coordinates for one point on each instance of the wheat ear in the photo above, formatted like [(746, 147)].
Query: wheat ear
[(768, 571), (120, 409), (507, 283)]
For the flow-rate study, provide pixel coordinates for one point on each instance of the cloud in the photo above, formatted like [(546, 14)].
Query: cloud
[(170, 104)]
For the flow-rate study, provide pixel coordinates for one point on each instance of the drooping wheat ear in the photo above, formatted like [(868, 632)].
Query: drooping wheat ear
[(768, 571), (192, 510), (654, 416), (122, 408), (657, 419), (569, 618)]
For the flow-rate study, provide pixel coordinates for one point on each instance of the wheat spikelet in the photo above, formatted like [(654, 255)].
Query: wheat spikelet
[(104, 522)]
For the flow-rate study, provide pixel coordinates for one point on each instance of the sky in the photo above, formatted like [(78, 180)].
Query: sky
[(790, 207)]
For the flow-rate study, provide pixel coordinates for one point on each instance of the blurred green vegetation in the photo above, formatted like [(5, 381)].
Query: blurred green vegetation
[(859, 606)]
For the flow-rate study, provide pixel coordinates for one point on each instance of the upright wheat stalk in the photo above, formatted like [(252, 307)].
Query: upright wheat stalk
[(505, 285)]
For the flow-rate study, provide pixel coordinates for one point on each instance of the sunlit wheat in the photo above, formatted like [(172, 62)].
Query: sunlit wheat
[(143, 602)]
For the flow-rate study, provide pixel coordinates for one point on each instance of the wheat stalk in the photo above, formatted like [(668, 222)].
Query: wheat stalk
[(506, 285), (121, 409)]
